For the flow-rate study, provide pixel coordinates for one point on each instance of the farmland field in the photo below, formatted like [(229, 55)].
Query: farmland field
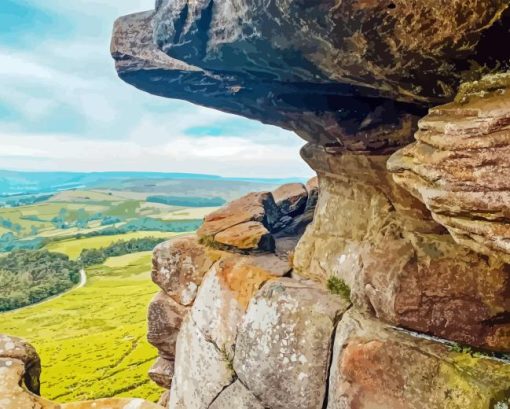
[(73, 247), (92, 339)]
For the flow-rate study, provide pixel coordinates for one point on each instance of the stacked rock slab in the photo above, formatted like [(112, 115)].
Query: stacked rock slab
[(207, 283)]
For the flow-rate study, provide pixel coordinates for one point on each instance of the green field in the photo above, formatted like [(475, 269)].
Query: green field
[(92, 340), (73, 247)]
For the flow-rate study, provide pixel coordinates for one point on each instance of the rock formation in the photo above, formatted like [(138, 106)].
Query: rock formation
[(402, 279), (385, 282)]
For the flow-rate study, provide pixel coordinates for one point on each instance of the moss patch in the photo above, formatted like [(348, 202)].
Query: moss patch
[(337, 286)]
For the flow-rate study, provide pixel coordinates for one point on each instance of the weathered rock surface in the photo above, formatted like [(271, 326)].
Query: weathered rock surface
[(223, 298), (283, 348), (202, 370), (400, 265), (162, 372), (236, 396), (178, 267), (247, 236), (376, 366), (164, 322), (425, 249), (334, 73), (291, 198), (18, 349), (254, 207), (460, 168)]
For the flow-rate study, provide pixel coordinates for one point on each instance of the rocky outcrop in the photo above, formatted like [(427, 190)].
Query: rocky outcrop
[(459, 166), (207, 286), (20, 368), (355, 73), (398, 263)]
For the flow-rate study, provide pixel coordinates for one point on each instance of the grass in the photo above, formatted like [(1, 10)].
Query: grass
[(92, 340), (337, 286), (73, 247)]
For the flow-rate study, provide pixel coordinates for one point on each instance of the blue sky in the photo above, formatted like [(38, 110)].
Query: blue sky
[(62, 106)]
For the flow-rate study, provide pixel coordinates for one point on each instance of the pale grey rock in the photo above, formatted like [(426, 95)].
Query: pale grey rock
[(236, 396), (202, 370), (284, 341)]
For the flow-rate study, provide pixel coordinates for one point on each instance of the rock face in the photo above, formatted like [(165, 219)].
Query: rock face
[(283, 348), (399, 264), (459, 166), (333, 72), (207, 283), (375, 366)]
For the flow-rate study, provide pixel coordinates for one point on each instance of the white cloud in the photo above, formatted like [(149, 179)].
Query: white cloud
[(115, 126), (228, 156)]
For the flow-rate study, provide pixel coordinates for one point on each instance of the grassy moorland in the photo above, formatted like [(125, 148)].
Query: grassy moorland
[(92, 339)]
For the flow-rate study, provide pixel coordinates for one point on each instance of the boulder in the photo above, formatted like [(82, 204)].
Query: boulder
[(459, 166), (223, 298), (164, 322), (162, 372), (246, 236), (202, 370), (377, 366), (283, 347), (178, 267), (254, 207), (291, 198), (399, 264), (236, 396)]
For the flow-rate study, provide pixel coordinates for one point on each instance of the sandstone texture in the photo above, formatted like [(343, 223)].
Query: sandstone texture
[(284, 343), (459, 166), (376, 366), (399, 264), (178, 268), (238, 397), (164, 321)]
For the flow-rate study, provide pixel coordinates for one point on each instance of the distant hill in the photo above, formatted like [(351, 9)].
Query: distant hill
[(13, 183)]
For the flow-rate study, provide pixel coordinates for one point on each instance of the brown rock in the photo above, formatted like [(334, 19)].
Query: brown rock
[(376, 366), (283, 346), (459, 166), (254, 207), (164, 322), (164, 399), (178, 267), (399, 264), (291, 198), (246, 236), (18, 349), (162, 372)]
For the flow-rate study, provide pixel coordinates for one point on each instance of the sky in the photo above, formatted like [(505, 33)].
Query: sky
[(62, 106)]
